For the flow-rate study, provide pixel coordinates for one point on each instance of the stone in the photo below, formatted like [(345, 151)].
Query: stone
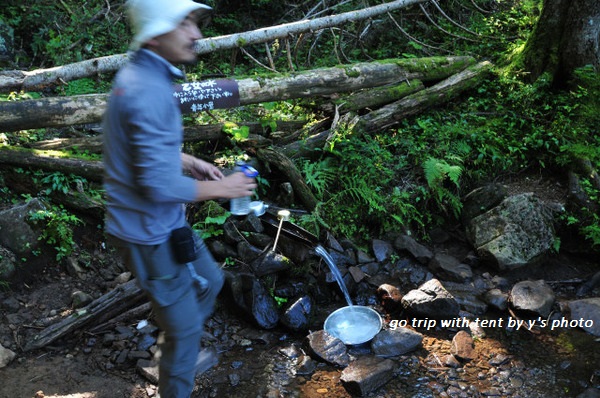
[(462, 346), (420, 253), (6, 356), (16, 234), (394, 342), (431, 300), (296, 315), (390, 297), (532, 296), (450, 267), (495, 298), (587, 310), (327, 348), (383, 250), (517, 232), (367, 374)]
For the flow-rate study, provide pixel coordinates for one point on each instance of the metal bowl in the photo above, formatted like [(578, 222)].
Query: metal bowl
[(258, 207), (354, 324)]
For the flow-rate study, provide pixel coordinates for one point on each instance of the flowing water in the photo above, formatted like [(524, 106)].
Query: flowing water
[(352, 324), (320, 250)]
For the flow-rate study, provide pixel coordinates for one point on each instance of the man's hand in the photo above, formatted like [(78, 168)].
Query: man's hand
[(200, 169)]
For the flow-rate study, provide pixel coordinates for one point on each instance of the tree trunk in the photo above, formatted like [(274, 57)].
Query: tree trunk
[(114, 302), (208, 132), (566, 37), (287, 168), (83, 109), (16, 80), (91, 170)]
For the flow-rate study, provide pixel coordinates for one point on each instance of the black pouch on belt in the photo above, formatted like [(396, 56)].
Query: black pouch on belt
[(183, 245)]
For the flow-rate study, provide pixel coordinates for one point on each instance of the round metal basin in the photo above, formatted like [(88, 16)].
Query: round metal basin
[(353, 324)]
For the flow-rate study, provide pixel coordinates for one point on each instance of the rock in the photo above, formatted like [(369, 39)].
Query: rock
[(367, 374), (431, 300), (269, 263), (16, 234), (390, 298), (6, 356), (248, 252), (296, 316), (467, 297), (306, 366), (250, 295), (590, 393), (496, 299), (462, 346), (587, 310), (357, 274), (328, 348), (7, 38), (482, 200), (450, 267), (73, 268), (420, 253), (80, 299), (532, 296), (383, 250), (515, 233), (399, 341), (7, 264)]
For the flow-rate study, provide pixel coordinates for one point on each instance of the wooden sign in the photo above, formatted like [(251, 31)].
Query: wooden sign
[(207, 95)]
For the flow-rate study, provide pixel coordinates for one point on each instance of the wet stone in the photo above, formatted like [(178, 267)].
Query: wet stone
[(297, 315), (328, 348), (367, 374), (390, 343)]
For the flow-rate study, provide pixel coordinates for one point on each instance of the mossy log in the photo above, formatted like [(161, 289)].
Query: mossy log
[(287, 168), (86, 109), (18, 157), (436, 95)]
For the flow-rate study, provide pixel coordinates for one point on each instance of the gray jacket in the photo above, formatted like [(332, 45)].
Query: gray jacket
[(145, 187)]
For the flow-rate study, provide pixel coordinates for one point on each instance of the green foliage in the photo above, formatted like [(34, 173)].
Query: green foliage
[(319, 175), (437, 172), (55, 33), (211, 219), (58, 182), (57, 229), (237, 133)]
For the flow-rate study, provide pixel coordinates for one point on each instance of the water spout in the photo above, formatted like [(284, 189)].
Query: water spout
[(320, 250)]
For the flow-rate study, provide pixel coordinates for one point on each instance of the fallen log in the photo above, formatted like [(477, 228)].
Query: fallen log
[(208, 132), (372, 122), (287, 168), (444, 91), (115, 302), (18, 157), (85, 109), (17, 80)]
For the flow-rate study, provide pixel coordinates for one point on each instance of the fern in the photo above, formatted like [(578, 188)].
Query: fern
[(436, 173), (319, 175)]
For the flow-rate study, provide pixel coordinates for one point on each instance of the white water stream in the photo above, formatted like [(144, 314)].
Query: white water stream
[(320, 250)]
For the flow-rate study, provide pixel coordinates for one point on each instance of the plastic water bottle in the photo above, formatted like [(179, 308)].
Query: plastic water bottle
[(241, 206)]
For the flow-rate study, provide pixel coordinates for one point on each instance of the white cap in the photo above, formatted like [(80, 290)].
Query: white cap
[(151, 18)]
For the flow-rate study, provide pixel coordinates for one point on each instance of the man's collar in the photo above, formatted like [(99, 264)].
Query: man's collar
[(176, 72)]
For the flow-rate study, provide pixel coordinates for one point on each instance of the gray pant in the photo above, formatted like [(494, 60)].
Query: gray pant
[(183, 297)]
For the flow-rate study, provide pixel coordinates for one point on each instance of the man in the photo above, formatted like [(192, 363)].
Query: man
[(146, 186)]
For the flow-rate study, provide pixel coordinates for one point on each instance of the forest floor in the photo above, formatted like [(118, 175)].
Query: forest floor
[(256, 363)]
